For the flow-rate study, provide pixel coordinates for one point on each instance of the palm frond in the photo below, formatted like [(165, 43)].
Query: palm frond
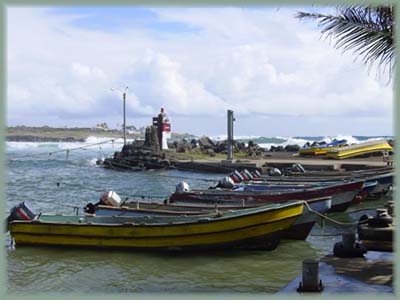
[(368, 31)]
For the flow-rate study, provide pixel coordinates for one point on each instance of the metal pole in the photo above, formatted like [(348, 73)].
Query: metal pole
[(230, 134), (124, 125)]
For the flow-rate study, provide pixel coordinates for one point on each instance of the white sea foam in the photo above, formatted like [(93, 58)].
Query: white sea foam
[(223, 137), (300, 141), (107, 145), (90, 142)]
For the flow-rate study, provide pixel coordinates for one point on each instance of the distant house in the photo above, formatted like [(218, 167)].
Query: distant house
[(101, 126), (132, 130)]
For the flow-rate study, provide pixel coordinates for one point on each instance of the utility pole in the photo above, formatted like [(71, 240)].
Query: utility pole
[(123, 110), (124, 105), (231, 119)]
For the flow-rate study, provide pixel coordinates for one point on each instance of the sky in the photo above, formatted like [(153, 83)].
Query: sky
[(278, 75)]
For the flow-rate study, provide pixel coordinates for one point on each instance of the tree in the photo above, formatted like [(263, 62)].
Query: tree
[(368, 31)]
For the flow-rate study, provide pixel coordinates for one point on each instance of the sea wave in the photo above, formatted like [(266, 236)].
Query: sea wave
[(301, 141), (95, 143), (113, 144)]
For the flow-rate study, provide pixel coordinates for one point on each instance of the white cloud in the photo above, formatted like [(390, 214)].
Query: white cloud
[(257, 62)]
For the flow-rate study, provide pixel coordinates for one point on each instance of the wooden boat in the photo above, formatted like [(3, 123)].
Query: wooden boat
[(322, 148), (299, 230), (359, 149), (367, 189), (324, 176), (259, 227), (338, 173), (342, 195), (384, 180)]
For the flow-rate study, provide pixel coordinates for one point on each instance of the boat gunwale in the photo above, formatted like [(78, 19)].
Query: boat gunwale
[(149, 237), (263, 210)]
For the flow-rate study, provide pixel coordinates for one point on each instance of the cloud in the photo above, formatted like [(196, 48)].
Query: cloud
[(259, 62)]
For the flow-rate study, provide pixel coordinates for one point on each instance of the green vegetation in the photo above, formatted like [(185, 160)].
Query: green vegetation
[(197, 155), (77, 133)]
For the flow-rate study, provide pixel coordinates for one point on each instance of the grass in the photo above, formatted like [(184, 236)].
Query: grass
[(197, 155)]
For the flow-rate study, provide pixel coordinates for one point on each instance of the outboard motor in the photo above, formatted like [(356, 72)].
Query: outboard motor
[(111, 199), (236, 177), (182, 187), (256, 174), (241, 178), (107, 198), (226, 183), (21, 211), (274, 172), (298, 168), (247, 175)]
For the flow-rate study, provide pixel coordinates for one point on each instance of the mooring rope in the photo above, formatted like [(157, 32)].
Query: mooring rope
[(58, 183), (59, 151), (332, 220)]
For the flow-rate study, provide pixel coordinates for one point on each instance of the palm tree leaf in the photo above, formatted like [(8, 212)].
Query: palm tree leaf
[(368, 31)]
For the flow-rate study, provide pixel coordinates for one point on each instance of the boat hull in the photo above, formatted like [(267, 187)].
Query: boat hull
[(342, 195), (303, 224), (359, 149), (262, 229)]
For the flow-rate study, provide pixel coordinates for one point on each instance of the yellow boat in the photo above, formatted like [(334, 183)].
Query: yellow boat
[(321, 149), (359, 149), (259, 227)]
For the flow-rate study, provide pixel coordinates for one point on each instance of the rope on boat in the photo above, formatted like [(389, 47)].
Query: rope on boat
[(185, 177), (58, 183), (360, 209), (63, 150), (332, 220), (328, 234)]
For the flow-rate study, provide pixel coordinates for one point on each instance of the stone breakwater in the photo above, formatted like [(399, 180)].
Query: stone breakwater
[(207, 146)]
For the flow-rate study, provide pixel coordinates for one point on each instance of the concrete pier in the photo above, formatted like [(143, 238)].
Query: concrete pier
[(372, 274), (279, 160)]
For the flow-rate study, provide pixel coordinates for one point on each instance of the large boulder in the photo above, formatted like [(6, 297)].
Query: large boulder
[(194, 143), (292, 148), (183, 146), (206, 143), (210, 152), (276, 149)]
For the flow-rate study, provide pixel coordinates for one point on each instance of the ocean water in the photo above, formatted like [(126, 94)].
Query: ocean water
[(53, 183)]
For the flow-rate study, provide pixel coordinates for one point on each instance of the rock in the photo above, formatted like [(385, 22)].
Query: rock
[(210, 152), (183, 146), (292, 148), (206, 143), (221, 146), (151, 139), (276, 149), (194, 143)]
